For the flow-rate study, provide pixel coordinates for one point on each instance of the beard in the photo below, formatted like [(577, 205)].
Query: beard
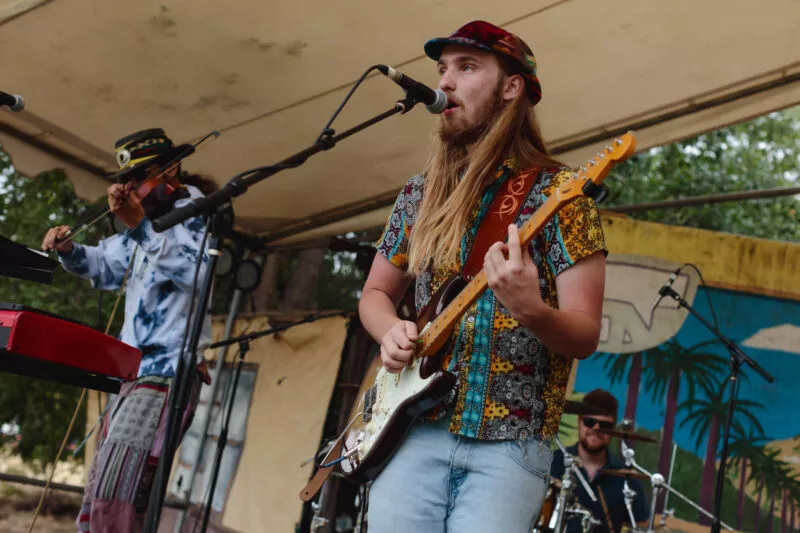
[(457, 136), (592, 449)]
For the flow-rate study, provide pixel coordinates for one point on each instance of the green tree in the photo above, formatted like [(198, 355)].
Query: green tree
[(763, 153), (40, 409)]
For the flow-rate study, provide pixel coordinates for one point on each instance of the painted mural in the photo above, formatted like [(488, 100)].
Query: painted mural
[(670, 375)]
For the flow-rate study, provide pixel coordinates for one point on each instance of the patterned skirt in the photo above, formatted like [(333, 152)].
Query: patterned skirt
[(131, 438)]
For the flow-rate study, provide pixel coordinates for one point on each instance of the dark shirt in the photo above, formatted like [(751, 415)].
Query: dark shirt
[(612, 491)]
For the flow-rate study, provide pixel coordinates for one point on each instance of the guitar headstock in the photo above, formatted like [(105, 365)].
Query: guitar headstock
[(600, 165), (589, 178)]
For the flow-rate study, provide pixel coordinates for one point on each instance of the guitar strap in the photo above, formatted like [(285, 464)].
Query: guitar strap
[(315, 483), (504, 210)]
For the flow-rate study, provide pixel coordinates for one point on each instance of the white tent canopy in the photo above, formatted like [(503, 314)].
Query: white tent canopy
[(268, 75)]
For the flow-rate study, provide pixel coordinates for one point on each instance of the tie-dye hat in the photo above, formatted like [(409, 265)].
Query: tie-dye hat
[(512, 50)]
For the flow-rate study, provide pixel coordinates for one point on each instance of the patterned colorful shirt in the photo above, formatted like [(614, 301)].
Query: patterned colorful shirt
[(510, 385), (159, 287)]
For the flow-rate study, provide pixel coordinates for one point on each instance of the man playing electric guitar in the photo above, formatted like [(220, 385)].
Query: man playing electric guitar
[(481, 460)]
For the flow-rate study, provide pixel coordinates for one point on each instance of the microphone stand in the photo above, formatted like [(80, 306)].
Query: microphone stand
[(227, 409), (206, 206), (737, 357), (182, 384), (222, 440), (239, 185)]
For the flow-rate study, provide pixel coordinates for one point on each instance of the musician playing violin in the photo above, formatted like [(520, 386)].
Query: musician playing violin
[(158, 294)]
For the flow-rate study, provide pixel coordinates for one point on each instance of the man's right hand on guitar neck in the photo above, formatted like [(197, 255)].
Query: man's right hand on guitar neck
[(398, 345)]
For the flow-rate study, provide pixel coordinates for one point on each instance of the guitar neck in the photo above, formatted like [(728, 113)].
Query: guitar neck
[(431, 338), (445, 322)]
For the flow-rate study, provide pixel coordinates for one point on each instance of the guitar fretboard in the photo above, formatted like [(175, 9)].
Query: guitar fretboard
[(445, 322), (596, 171)]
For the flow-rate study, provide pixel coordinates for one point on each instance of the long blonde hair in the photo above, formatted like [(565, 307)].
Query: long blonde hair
[(448, 198)]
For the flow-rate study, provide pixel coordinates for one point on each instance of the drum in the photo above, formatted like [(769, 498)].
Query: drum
[(546, 520)]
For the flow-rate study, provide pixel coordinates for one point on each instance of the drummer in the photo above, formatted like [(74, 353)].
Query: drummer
[(595, 457)]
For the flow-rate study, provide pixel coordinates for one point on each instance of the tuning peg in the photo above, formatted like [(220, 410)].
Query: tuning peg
[(590, 163), (609, 149), (583, 170), (618, 141), (600, 155)]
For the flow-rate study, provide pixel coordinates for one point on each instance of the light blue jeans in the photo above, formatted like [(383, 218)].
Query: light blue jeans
[(438, 482)]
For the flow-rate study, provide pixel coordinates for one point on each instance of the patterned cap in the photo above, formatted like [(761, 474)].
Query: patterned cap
[(144, 148), (486, 36)]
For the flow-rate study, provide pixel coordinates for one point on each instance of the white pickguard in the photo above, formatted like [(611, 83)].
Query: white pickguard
[(391, 390)]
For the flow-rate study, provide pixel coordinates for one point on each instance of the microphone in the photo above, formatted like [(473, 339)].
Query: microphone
[(435, 100), (13, 102), (663, 290)]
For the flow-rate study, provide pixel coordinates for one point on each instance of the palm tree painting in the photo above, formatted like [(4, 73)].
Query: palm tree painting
[(665, 367), (707, 416), (744, 448), (770, 474), (616, 367)]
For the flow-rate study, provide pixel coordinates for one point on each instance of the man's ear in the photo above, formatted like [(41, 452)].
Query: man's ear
[(512, 87)]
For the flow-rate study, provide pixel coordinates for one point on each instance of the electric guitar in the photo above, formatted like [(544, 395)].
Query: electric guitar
[(387, 404)]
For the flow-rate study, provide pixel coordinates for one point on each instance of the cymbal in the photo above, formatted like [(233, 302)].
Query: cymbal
[(626, 435), (580, 408), (626, 473)]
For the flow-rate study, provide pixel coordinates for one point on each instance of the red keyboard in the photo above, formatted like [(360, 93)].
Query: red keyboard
[(45, 346)]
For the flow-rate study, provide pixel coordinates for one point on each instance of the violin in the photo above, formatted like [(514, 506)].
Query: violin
[(156, 194)]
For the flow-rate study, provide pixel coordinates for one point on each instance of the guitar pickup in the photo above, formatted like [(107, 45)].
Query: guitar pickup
[(369, 402)]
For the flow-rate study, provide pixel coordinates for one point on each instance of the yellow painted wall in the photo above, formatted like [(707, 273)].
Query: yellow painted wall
[(727, 261)]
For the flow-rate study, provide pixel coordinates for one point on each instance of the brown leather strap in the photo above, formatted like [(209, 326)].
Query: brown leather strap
[(605, 508), (503, 211), (313, 486)]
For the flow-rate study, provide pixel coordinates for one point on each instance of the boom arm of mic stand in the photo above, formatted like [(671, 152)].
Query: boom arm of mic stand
[(729, 344), (238, 187)]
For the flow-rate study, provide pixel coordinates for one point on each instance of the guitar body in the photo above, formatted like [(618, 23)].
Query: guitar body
[(388, 404)]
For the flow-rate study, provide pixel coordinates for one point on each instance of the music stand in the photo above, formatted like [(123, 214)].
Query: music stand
[(18, 261)]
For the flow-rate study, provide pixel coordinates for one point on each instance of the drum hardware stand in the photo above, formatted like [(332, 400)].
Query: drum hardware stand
[(629, 494), (668, 512), (317, 522), (657, 480), (587, 520), (570, 469)]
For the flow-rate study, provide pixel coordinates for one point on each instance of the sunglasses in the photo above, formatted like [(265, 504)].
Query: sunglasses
[(590, 422)]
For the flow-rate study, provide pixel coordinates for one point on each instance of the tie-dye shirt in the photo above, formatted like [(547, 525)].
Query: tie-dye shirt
[(510, 385), (159, 287)]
